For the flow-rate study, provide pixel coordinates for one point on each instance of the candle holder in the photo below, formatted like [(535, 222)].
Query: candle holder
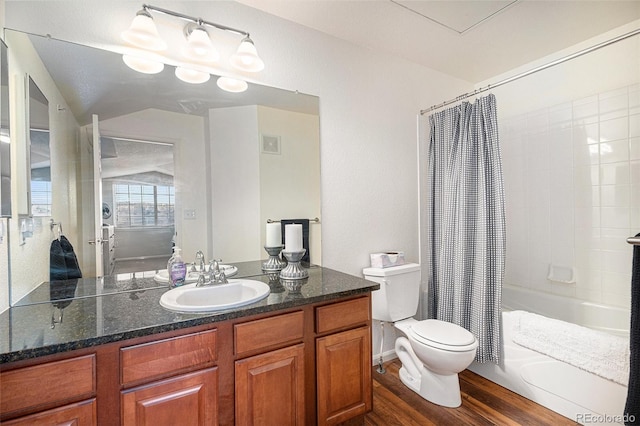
[(274, 263), (293, 286), (293, 270)]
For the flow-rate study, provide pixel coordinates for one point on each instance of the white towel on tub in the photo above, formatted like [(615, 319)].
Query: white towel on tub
[(595, 351)]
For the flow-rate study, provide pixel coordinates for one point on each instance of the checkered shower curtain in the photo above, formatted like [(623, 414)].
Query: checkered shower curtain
[(466, 222)]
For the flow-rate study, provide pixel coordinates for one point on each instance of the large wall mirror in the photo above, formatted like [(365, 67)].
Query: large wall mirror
[(177, 163)]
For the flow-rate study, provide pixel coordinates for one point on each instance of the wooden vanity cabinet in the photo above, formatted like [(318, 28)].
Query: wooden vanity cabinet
[(77, 414), (270, 385), (270, 388), (188, 398), (301, 366), (343, 361), (56, 392)]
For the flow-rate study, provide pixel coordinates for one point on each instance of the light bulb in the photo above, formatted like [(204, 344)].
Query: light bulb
[(192, 76), (232, 85), (143, 65), (246, 57), (143, 33)]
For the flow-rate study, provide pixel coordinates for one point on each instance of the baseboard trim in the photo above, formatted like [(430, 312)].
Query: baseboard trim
[(386, 356)]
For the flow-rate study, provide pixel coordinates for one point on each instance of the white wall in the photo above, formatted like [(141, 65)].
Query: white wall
[(570, 139), (290, 180), (235, 183), (286, 184)]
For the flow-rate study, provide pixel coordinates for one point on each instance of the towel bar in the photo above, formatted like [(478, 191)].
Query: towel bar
[(634, 241), (315, 219)]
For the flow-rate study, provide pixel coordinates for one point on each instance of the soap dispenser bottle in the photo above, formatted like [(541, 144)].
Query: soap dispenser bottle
[(177, 269)]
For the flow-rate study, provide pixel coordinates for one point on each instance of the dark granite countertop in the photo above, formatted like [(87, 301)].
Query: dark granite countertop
[(97, 311)]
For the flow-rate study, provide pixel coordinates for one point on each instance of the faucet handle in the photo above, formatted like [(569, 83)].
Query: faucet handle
[(201, 279), (216, 264), (212, 270)]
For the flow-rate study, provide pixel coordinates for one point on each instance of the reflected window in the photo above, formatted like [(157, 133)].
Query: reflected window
[(143, 205), (39, 151), (40, 158), (41, 198)]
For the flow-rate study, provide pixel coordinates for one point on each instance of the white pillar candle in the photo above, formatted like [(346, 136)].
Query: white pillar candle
[(293, 237), (274, 234)]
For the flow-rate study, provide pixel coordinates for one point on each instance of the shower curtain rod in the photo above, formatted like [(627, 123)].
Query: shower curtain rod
[(533, 71)]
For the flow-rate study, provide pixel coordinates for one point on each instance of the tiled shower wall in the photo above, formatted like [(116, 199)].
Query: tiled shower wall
[(572, 187)]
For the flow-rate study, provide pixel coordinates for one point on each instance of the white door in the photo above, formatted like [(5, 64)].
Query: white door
[(97, 197)]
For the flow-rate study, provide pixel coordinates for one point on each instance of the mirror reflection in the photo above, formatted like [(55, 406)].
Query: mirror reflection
[(39, 154), (5, 139), (138, 163)]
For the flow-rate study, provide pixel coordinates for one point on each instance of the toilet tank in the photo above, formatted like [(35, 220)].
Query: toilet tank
[(399, 291)]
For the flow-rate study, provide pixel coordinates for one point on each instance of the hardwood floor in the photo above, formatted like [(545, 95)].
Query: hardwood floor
[(483, 403)]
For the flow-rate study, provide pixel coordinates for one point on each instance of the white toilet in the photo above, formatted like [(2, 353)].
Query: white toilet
[(433, 352)]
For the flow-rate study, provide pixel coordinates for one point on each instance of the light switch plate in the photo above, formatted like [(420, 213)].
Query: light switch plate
[(189, 214)]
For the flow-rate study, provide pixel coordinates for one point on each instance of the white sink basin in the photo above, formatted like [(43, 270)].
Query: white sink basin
[(217, 297)]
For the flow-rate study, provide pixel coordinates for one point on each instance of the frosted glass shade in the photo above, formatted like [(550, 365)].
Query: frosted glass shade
[(143, 33), (232, 85), (143, 65), (246, 57), (189, 75), (199, 46)]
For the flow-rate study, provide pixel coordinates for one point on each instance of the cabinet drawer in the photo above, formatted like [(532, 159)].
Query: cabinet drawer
[(47, 385), (77, 414), (268, 332), (165, 357), (342, 315)]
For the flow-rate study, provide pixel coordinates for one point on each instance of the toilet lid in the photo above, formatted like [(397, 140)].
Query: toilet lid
[(442, 333)]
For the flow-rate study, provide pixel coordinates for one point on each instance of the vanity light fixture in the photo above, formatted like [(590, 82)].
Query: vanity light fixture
[(143, 65), (246, 58), (192, 76), (198, 48), (143, 32), (231, 84)]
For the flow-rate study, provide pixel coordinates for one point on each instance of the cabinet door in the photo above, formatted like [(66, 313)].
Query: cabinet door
[(78, 414), (270, 388), (343, 371), (190, 399)]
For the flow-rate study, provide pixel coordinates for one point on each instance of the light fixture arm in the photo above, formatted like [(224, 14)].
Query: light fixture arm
[(198, 21)]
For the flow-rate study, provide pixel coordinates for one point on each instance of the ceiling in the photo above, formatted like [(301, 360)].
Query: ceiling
[(473, 40)]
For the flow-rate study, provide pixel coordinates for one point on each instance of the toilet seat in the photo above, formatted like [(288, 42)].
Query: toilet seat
[(443, 335)]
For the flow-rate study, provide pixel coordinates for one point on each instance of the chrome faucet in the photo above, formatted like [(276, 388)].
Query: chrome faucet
[(214, 268), (216, 276)]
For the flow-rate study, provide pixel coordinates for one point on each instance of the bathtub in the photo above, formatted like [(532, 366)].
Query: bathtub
[(563, 388)]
